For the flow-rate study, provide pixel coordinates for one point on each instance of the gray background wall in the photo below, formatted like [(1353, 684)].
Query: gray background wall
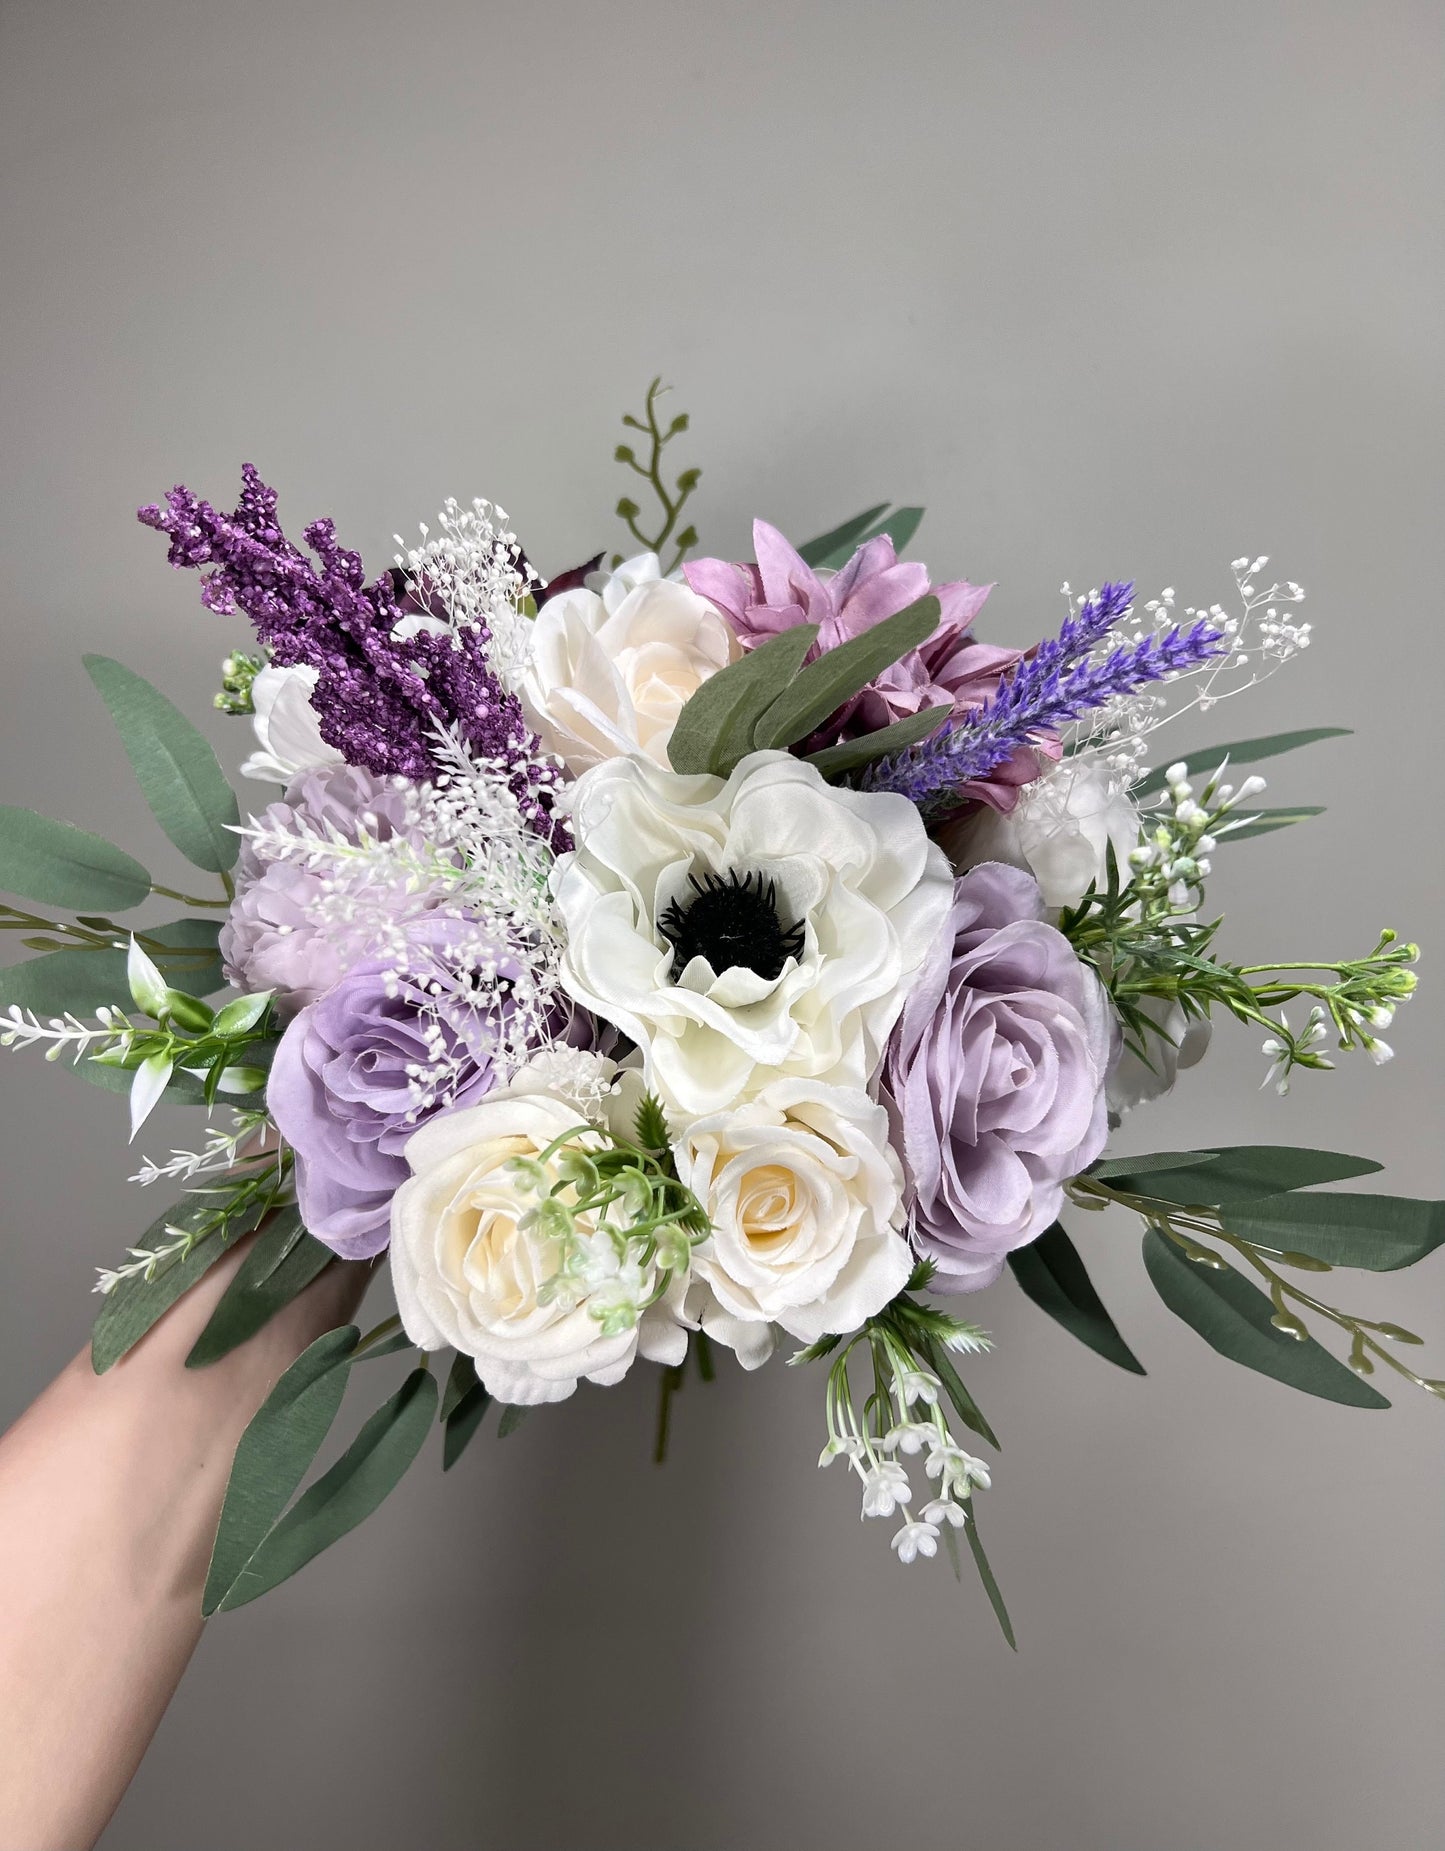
[(1121, 289)]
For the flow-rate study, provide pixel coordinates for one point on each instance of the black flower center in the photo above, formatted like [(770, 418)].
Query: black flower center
[(730, 919)]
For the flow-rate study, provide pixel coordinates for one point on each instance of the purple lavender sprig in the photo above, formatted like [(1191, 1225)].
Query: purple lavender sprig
[(1046, 692), (379, 697)]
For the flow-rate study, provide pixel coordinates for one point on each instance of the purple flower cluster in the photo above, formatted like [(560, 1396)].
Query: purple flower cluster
[(1048, 691), (379, 696), (951, 669)]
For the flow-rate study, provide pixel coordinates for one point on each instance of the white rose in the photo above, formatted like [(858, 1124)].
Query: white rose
[(745, 930), (1132, 1081), (805, 1195), (1060, 831), (468, 1273), (607, 673), (287, 728)]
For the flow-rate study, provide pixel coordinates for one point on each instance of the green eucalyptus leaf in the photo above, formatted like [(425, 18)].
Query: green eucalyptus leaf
[(367, 1472), (175, 767), (1379, 1233), (61, 865), (1234, 1318), (1265, 822), (129, 1310), (853, 754), (964, 1405), (900, 525), (838, 674), (282, 1262), (1237, 1173), (842, 538), (510, 1418), (275, 1450), (1239, 752), (1053, 1275), (1112, 1167), (461, 1380), (987, 1577), (462, 1423), (715, 728)]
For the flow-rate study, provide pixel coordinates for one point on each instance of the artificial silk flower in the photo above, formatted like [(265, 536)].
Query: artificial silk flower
[(475, 1268), (608, 669), (287, 726), (743, 930), (805, 1196), (1061, 831)]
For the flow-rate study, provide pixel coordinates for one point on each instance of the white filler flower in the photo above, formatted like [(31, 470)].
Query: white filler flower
[(288, 732), (609, 671), (743, 931), (475, 1268), (805, 1195)]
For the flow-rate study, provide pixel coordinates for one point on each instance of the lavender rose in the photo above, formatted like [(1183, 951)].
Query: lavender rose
[(379, 1054), (279, 935), (994, 1077)]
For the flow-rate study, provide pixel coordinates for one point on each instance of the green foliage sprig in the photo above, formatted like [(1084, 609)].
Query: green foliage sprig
[(671, 502)]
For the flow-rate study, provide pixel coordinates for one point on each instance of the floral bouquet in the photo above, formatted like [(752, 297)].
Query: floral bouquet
[(683, 956)]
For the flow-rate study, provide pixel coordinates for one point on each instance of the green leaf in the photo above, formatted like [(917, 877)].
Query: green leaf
[(1052, 1274), (461, 1380), (1237, 1173), (1265, 822), (986, 1576), (853, 754), (1112, 1167), (64, 866), (510, 1418), (175, 767), (366, 1473), (900, 526), (1240, 752), (1233, 1318), (129, 1311), (715, 728), (462, 1424), (282, 1262), (78, 980), (842, 538), (838, 674), (275, 1450), (967, 1409), (1380, 1233)]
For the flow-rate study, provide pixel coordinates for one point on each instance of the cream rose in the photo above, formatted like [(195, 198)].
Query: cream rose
[(805, 1195), (748, 930), (1060, 831), (471, 1271), (607, 672), (287, 729)]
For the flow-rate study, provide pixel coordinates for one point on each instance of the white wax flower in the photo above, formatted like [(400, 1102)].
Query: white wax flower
[(471, 1271), (288, 732), (805, 1195), (608, 671), (855, 893), (1060, 831)]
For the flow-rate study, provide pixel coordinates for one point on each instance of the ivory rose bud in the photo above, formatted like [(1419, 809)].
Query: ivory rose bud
[(607, 672), (286, 725), (1060, 831), (805, 1195)]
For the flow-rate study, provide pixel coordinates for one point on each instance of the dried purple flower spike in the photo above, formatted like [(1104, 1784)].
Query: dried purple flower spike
[(381, 696)]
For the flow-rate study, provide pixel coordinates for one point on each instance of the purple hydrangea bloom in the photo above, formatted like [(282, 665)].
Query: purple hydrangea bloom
[(381, 692), (278, 936), (994, 1078), (950, 670), (378, 1055)]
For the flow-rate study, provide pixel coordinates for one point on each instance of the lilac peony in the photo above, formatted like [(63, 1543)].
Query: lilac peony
[(949, 670), (376, 1056), (994, 1077), (278, 936)]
